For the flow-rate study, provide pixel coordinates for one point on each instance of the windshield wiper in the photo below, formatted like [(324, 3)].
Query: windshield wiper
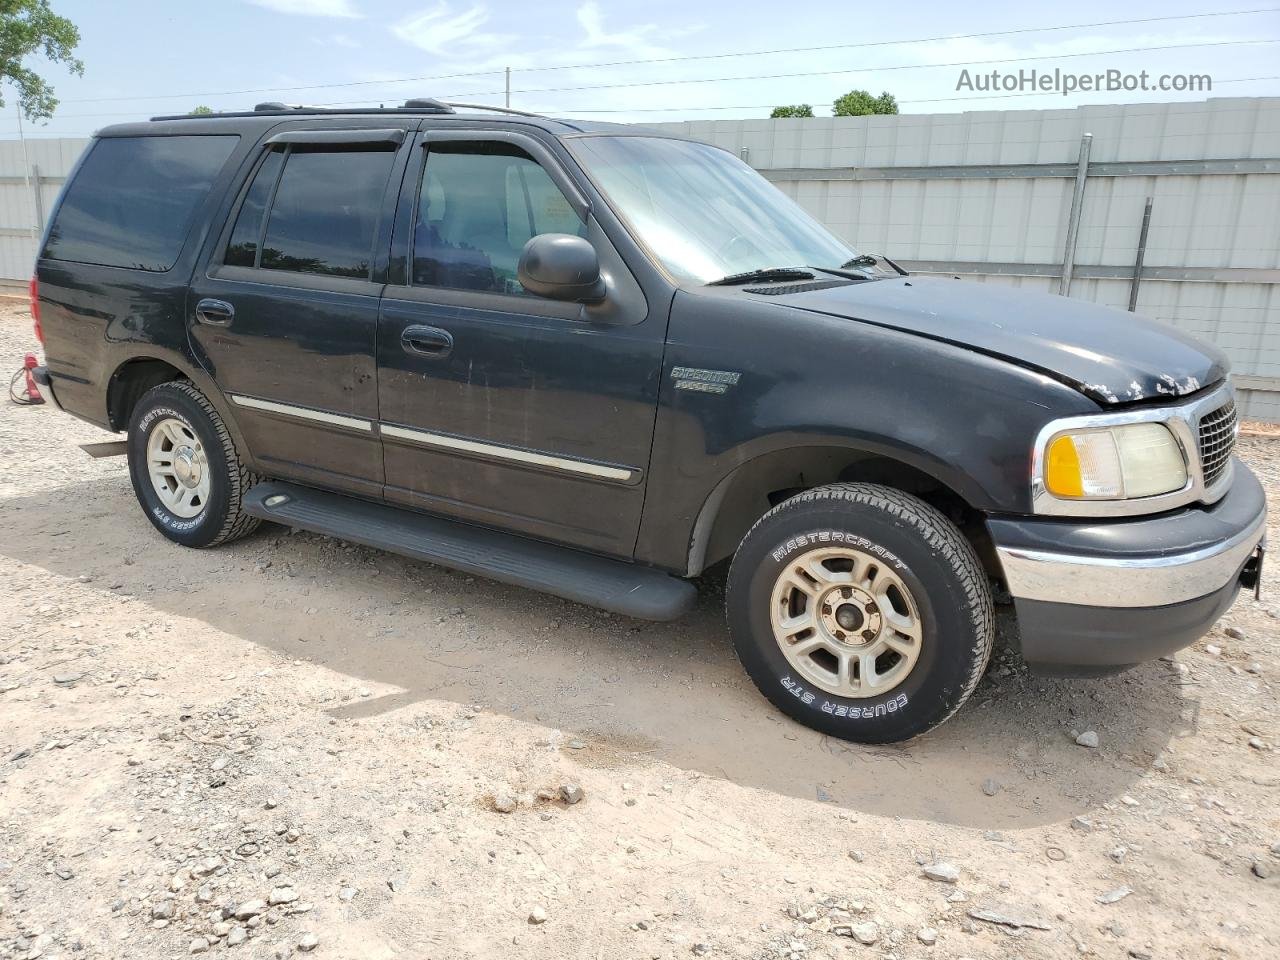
[(761, 276), (861, 260), (867, 260)]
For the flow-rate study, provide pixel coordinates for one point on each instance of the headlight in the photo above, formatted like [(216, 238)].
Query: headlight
[(1114, 463)]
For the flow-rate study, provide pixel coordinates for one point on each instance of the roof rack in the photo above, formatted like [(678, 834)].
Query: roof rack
[(417, 105)]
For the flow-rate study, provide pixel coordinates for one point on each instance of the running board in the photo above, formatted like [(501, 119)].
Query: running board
[(626, 588)]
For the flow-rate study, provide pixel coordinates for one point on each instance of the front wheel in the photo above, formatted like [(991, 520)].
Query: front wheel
[(185, 470), (860, 611)]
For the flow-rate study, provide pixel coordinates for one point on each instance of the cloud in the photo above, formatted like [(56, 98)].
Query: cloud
[(444, 33), (313, 8), (635, 40)]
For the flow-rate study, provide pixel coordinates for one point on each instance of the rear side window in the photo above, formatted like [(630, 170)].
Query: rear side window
[(321, 212), (133, 200)]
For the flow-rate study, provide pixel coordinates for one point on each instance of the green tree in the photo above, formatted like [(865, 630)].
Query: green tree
[(30, 27), (795, 110), (860, 103), (202, 111)]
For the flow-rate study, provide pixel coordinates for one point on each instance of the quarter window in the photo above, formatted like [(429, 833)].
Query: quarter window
[(133, 200), (323, 216), (478, 205)]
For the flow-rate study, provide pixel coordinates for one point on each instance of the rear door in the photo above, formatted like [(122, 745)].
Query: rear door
[(285, 315), (499, 406)]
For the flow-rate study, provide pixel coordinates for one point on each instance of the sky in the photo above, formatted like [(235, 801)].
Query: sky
[(718, 59)]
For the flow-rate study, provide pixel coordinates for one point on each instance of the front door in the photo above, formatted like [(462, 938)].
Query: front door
[(498, 406), (285, 317)]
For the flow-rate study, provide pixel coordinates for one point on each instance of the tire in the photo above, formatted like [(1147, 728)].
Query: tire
[(880, 587), (177, 421)]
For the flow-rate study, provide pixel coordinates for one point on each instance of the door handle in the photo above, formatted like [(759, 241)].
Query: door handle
[(427, 341), (216, 313)]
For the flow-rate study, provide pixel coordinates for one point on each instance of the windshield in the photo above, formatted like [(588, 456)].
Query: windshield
[(704, 213)]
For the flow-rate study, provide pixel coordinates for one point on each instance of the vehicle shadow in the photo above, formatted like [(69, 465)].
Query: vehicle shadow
[(629, 690)]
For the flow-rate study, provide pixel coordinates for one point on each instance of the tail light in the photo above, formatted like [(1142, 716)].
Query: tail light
[(34, 289)]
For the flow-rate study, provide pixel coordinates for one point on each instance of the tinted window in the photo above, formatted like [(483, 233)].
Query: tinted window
[(132, 201), (325, 212), (242, 248), (479, 204)]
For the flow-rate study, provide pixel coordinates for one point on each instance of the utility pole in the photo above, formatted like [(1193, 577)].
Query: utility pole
[(508, 103), (26, 173)]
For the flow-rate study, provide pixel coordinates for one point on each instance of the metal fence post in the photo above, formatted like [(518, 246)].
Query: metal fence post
[(39, 200), (1142, 255), (1073, 223)]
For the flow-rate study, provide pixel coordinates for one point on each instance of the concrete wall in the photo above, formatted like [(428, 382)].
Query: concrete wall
[(987, 196)]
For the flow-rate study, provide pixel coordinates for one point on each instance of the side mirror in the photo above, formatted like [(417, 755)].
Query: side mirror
[(560, 266)]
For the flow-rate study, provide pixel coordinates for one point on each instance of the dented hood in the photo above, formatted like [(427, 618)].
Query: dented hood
[(1110, 355)]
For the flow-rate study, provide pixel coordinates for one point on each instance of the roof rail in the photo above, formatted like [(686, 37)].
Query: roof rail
[(418, 105), (485, 106)]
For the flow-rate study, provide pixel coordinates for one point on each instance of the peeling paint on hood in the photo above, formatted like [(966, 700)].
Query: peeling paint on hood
[(1111, 355)]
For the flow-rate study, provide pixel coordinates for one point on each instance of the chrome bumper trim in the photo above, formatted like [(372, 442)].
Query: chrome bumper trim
[(1094, 581)]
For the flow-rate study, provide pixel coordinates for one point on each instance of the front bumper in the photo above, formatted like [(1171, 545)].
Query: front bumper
[(41, 376), (1102, 595)]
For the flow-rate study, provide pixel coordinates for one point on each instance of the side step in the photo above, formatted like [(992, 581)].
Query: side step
[(635, 591)]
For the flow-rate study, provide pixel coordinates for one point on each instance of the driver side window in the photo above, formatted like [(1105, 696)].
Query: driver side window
[(478, 204)]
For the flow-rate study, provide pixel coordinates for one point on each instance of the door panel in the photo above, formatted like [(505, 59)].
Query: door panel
[(285, 319), (298, 365), (538, 416)]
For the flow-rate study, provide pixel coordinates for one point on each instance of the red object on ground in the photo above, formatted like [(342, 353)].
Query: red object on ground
[(29, 363)]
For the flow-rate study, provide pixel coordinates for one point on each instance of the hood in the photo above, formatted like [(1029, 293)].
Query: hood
[(1111, 355)]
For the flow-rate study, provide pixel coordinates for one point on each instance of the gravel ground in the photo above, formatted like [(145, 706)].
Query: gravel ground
[(294, 745)]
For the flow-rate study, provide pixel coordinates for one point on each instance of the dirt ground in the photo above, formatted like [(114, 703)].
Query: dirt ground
[(328, 728)]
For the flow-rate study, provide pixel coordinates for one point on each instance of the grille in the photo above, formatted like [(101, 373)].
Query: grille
[(1217, 438)]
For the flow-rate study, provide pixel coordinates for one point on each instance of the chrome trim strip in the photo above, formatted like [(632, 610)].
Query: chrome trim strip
[(1182, 419), (302, 413), (447, 442), (1093, 581)]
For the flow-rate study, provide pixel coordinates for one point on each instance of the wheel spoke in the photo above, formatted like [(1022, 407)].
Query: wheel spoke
[(844, 670), (802, 648), (796, 580), (790, 626), (867, 676), (906, 646), (908, 626)]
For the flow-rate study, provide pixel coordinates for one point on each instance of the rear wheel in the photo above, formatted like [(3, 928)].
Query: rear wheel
[(860, 611), (185, 469)]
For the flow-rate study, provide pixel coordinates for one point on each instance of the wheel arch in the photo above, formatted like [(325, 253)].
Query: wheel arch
[(130, 380), (135, 375), (757, 485)]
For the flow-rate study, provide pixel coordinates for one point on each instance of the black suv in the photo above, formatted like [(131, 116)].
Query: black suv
[(594, 361)]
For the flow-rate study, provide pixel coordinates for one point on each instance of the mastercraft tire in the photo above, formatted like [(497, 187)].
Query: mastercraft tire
[(860, 611), (185, 469)]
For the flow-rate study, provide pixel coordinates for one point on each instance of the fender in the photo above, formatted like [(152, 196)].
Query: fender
[(840, 391)]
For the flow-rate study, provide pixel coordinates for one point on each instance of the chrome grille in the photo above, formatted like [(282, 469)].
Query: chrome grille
[(1217, 438)]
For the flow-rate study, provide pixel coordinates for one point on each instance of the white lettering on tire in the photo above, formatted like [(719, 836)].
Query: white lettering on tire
[(870, 712)]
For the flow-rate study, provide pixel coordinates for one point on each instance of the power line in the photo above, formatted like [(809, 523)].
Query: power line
[(867, 70), (691, 57), (770, 106), (570, 111)]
